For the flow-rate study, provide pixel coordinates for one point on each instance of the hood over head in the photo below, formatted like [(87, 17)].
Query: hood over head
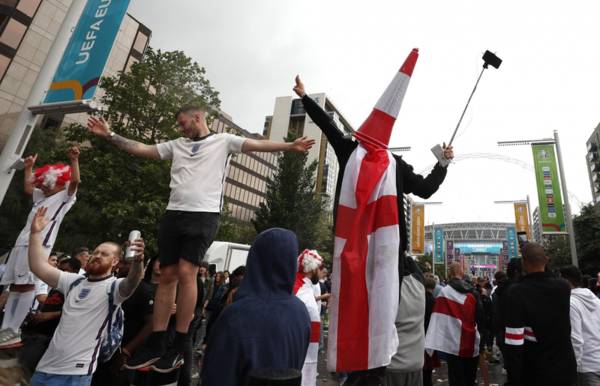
[(587, 298), (271, 265)]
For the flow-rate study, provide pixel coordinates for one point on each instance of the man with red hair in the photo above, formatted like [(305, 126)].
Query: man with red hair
[(309, 265), (53, 187)]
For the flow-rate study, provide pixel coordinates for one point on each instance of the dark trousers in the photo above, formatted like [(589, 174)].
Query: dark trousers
[(462, 371), (427, 377)]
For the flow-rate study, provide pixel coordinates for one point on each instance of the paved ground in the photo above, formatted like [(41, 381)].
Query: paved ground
[(440, 376)]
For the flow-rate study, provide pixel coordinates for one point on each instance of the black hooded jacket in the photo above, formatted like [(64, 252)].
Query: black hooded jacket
[(266, 326), (406, 180)]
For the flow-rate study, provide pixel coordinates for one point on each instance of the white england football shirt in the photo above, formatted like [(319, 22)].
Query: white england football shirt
[(58, 205), (74, 347), (198, 170)]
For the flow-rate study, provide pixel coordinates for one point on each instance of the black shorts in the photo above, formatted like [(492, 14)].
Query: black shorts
[(185, 235)]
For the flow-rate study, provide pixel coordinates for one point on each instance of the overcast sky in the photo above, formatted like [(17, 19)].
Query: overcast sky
[(549, 80)]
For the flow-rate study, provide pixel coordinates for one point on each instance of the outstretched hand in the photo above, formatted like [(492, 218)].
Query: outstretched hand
[(448, 151), (98, 126), (39, 220), (299, 87), (302, 144)]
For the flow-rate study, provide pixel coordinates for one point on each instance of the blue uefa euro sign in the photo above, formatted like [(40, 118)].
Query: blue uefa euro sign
[(88, 50)]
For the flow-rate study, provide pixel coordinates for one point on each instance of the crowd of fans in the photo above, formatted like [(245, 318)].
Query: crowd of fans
[(542, 326)]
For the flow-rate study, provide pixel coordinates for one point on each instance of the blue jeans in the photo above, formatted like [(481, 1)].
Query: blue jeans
[(44, 379)]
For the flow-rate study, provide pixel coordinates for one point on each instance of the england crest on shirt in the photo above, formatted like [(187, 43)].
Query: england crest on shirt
[(83, 293), (195, 149)]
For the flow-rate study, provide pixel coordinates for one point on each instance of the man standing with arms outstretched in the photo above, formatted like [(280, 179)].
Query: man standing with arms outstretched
[(199, 164)]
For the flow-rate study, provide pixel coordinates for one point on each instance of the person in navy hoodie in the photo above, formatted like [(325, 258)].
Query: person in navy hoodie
[(266, 326)]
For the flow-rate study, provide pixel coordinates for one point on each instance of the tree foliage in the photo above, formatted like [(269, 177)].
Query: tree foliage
[(120, 192), (291, 202), (587, 236)]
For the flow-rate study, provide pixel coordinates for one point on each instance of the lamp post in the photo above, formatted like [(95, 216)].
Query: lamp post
[(563, 183), (526, 202), (427, 203)]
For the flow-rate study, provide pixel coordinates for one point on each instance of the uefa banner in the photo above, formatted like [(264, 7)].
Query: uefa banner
[(550, 199), (417, 235), (522, 219), (513, 244), (438, 246), (88, 50)]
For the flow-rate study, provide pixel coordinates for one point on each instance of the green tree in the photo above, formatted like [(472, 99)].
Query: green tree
[(120, 192), (557, 249), (291, 201), (587, 236), (234, 230)]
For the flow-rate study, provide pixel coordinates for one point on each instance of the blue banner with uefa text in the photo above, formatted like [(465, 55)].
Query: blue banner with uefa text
[(513, 243), (88, 50), (438, 246)]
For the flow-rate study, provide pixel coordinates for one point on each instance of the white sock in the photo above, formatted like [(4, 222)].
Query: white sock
[(16, 309)]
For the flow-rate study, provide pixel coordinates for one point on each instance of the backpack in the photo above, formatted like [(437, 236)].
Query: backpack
[(113, 323)]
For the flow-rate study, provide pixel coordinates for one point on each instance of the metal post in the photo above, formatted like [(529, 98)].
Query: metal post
[(19, 137), (529, 218), (568, 218)]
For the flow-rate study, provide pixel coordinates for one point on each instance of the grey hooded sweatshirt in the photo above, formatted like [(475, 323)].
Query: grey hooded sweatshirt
[(585, 329)]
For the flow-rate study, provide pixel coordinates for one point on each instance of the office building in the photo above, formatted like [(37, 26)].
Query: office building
[(593, 163), (289, 117), (246, 181)]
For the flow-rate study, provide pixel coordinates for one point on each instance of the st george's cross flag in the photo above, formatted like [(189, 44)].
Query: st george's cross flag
[(452, 327), (364, 301)]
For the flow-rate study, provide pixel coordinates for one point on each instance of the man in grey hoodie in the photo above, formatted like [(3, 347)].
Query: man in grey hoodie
[(585, 328)]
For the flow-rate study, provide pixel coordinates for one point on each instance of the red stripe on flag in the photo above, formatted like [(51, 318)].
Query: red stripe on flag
[(466, 314), (513, 336), (355, 226), (315, 332)]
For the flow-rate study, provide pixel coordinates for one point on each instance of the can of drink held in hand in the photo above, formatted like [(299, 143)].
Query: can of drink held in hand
[(133, 235)]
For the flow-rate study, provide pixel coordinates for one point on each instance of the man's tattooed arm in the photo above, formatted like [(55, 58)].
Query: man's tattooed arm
[(134, 147)]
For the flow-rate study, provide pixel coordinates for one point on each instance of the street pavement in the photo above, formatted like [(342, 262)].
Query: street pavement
[(440, 376)]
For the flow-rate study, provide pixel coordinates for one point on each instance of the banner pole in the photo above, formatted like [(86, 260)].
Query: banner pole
[(565, 193)]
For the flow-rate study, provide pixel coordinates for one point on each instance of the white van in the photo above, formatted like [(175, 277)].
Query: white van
[(227, 256)]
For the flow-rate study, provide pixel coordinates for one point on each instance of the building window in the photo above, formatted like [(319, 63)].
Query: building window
[(28, 7), (140, 43), (13, 33)]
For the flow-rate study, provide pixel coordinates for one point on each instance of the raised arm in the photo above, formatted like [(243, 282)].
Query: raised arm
[(101, 128), (38, 259), (322, 119), (28, 179), (75, 176), (421, 186), (299, 145), (136, 272)]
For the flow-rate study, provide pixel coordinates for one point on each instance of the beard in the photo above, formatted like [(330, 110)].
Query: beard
[(314, 279), (96, 267)]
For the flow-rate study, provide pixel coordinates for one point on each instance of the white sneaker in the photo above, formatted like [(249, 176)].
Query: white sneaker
[(9, 338)]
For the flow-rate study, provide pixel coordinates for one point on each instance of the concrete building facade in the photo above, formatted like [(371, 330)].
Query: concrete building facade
[(592, 159), (246, 181), (289, 116)]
